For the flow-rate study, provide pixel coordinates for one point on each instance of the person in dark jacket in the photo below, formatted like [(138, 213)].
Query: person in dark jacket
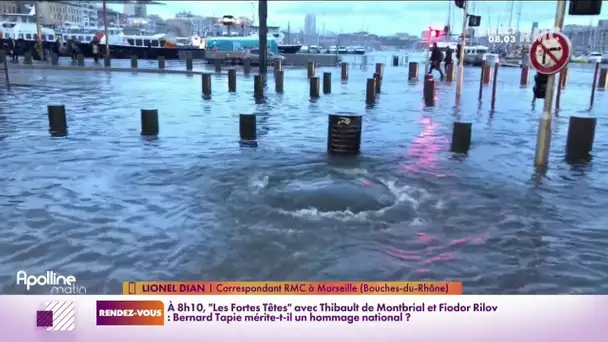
[(75, 50), (448, 58), (56, 48), (436, 59), (458, 49), (10, 46)]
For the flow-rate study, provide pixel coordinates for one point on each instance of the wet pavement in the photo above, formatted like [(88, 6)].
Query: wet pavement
[(107, 206)]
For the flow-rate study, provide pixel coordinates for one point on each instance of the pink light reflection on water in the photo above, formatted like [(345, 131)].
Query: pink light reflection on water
[(424, 238), (416, 258), (422, 155)]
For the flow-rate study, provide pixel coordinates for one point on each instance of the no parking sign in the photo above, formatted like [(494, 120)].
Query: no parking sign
[(550, 53)]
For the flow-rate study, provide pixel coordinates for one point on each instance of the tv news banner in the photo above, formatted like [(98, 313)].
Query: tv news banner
[(353, 310)]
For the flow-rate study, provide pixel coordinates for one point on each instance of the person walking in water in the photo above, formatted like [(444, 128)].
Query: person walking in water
[(448, 58), (95, 49), (436, 59)]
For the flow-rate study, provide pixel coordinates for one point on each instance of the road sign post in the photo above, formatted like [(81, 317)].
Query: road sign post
[(463, 41), (550, 53), (543, 138)]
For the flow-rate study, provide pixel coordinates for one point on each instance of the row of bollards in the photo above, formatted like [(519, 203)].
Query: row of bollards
[(486, 77), (314, 85), (344, 132)]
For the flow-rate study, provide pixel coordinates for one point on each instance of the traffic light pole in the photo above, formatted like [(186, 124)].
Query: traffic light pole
[(543, 138), (460, 75), (428, 48)]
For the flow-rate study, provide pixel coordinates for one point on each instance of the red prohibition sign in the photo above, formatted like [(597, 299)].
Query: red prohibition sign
[(550, 53)]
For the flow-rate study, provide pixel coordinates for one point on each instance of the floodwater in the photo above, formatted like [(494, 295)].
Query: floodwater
[(107, 206)]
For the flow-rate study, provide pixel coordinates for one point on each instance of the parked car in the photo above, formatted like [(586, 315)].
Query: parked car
[(254, 55)]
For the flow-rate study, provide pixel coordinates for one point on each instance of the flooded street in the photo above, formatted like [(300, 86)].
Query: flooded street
[(108, 206)]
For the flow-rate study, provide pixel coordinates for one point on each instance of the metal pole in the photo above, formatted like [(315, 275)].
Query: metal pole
[(428, 48), (39, 45), (263, 35), (105, 28), (460, 75), (543, 139)]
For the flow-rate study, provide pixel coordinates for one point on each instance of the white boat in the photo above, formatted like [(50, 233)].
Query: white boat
[(275, 33), (473, 54), (342, 50), (304, 49), (313, 49), (80, 34), (23, 26), (359, 50), (594, 57), (333, 49)]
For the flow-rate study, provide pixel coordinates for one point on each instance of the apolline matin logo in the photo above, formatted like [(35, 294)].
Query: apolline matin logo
[(58, 284)]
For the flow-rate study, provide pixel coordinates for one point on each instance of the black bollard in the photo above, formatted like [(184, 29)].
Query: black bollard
[(278, 81), (189, 62), (449, 72), (278, 65), (311, 69), (380, 69), (54, 59), (247, 127), (428, 91), (27, 58), (370, 91), (107, 61), (378, 79), (314, 87), (232, 80), (344, 134), (218, 65), (327, 83), (206, 84), (461, 137), (246, 66), (494, 83), (58, 126), (395, 60), (602, 82), (344, 71), (133, 61), (413, 72), (579, 144), (258, 87), (80, 59), (161, 62), (149, 122)]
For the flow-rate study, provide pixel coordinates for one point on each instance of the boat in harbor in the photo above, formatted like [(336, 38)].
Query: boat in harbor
[(342, 50), (275, 33), (473, 54), (23, 27), (236, 49), (359, 50), (125, 46)]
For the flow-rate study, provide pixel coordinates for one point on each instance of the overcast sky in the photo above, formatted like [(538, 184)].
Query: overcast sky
[(379, 17)]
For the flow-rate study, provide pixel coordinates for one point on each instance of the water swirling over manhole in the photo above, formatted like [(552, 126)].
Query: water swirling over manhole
[(335, 197)]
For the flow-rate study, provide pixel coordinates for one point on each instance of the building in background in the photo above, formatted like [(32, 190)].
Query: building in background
[(61, 12), (137, 9), (310, 24), (115, 18), (9, 7)]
